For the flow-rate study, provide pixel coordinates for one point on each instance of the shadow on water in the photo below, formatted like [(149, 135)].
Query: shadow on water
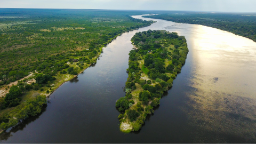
[(21, 125), (74, 80)]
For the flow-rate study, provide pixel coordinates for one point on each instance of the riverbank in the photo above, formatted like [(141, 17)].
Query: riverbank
[(43, 91), (60, 78)]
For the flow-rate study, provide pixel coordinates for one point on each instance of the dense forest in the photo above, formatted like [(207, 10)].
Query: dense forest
[(29, 38), (239, 24), (153, 65), (49, 47)]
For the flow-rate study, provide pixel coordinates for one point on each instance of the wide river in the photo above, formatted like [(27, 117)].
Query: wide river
[(213, 99)]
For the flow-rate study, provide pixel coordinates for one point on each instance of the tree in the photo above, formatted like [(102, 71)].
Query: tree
[(155, 102), (144, 96), (13, 97), (44, 78), (132, 115), (170, 68), (122, 104)]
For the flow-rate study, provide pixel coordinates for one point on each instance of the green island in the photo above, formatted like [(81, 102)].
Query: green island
[(243, 24), (42, 49), (154, 63)]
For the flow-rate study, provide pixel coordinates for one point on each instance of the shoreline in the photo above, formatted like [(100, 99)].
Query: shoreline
[(70, 77)]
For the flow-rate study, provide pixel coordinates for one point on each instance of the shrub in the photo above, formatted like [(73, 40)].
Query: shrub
[(142, 82), (145, 87), (144, 96), (44, 78), (136, 126), (155, 102), (170, 68), (120, 116), (158, 87), (122, 104), (149, 109), (158, 80), (129, 96), (13, 97), (151, 89), (132, 115), (131, 101)]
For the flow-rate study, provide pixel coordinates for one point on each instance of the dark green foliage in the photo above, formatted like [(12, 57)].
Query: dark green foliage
[(129, 84), (122, 104), (44, 78), (132, 115), (13, 97), (158, 87), (155, 102), (149, 109), (28, 87), (31, 108), (144, 96), (72, 71), (169, 68), (151, 89), (145, 87), (129, 96), (131, 101), (120, 116), (164, 77), (149, 82), (140, 108)]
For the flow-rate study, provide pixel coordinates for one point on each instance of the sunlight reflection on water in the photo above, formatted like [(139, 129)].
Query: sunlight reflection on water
[(223, 78)]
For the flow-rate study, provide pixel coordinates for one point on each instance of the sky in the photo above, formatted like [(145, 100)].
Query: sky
[(181, 5)]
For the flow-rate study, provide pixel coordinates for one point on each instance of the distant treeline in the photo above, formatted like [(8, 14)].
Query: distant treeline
[(243, 24)]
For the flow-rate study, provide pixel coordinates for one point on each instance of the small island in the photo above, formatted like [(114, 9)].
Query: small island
[(154, 63)]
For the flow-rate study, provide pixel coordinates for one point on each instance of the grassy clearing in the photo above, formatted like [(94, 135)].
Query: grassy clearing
[(144, 69)]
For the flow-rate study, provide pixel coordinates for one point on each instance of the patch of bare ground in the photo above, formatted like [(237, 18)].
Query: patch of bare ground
[(125, 126), (67, 28), (45, 30), (5, 89)]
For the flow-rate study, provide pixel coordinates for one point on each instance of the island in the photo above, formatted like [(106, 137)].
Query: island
[(154, 63)]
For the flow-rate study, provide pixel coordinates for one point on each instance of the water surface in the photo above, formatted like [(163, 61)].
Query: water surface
[(212, 99)]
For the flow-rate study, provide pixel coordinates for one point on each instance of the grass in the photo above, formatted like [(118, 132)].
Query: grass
[(144, 69)]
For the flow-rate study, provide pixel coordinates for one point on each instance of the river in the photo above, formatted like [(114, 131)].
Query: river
[(213, 99)]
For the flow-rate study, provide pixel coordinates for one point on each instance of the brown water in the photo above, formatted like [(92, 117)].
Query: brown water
[(212, 99)]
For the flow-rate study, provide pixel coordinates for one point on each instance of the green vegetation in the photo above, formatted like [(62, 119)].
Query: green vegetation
[(51, 47), (32, 107), (240, 24), (45, 40), (157, 60)]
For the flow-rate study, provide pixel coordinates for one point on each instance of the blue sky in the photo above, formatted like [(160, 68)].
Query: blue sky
[(187, 5)]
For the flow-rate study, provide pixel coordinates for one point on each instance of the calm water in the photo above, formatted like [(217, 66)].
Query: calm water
[(213, 99)]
